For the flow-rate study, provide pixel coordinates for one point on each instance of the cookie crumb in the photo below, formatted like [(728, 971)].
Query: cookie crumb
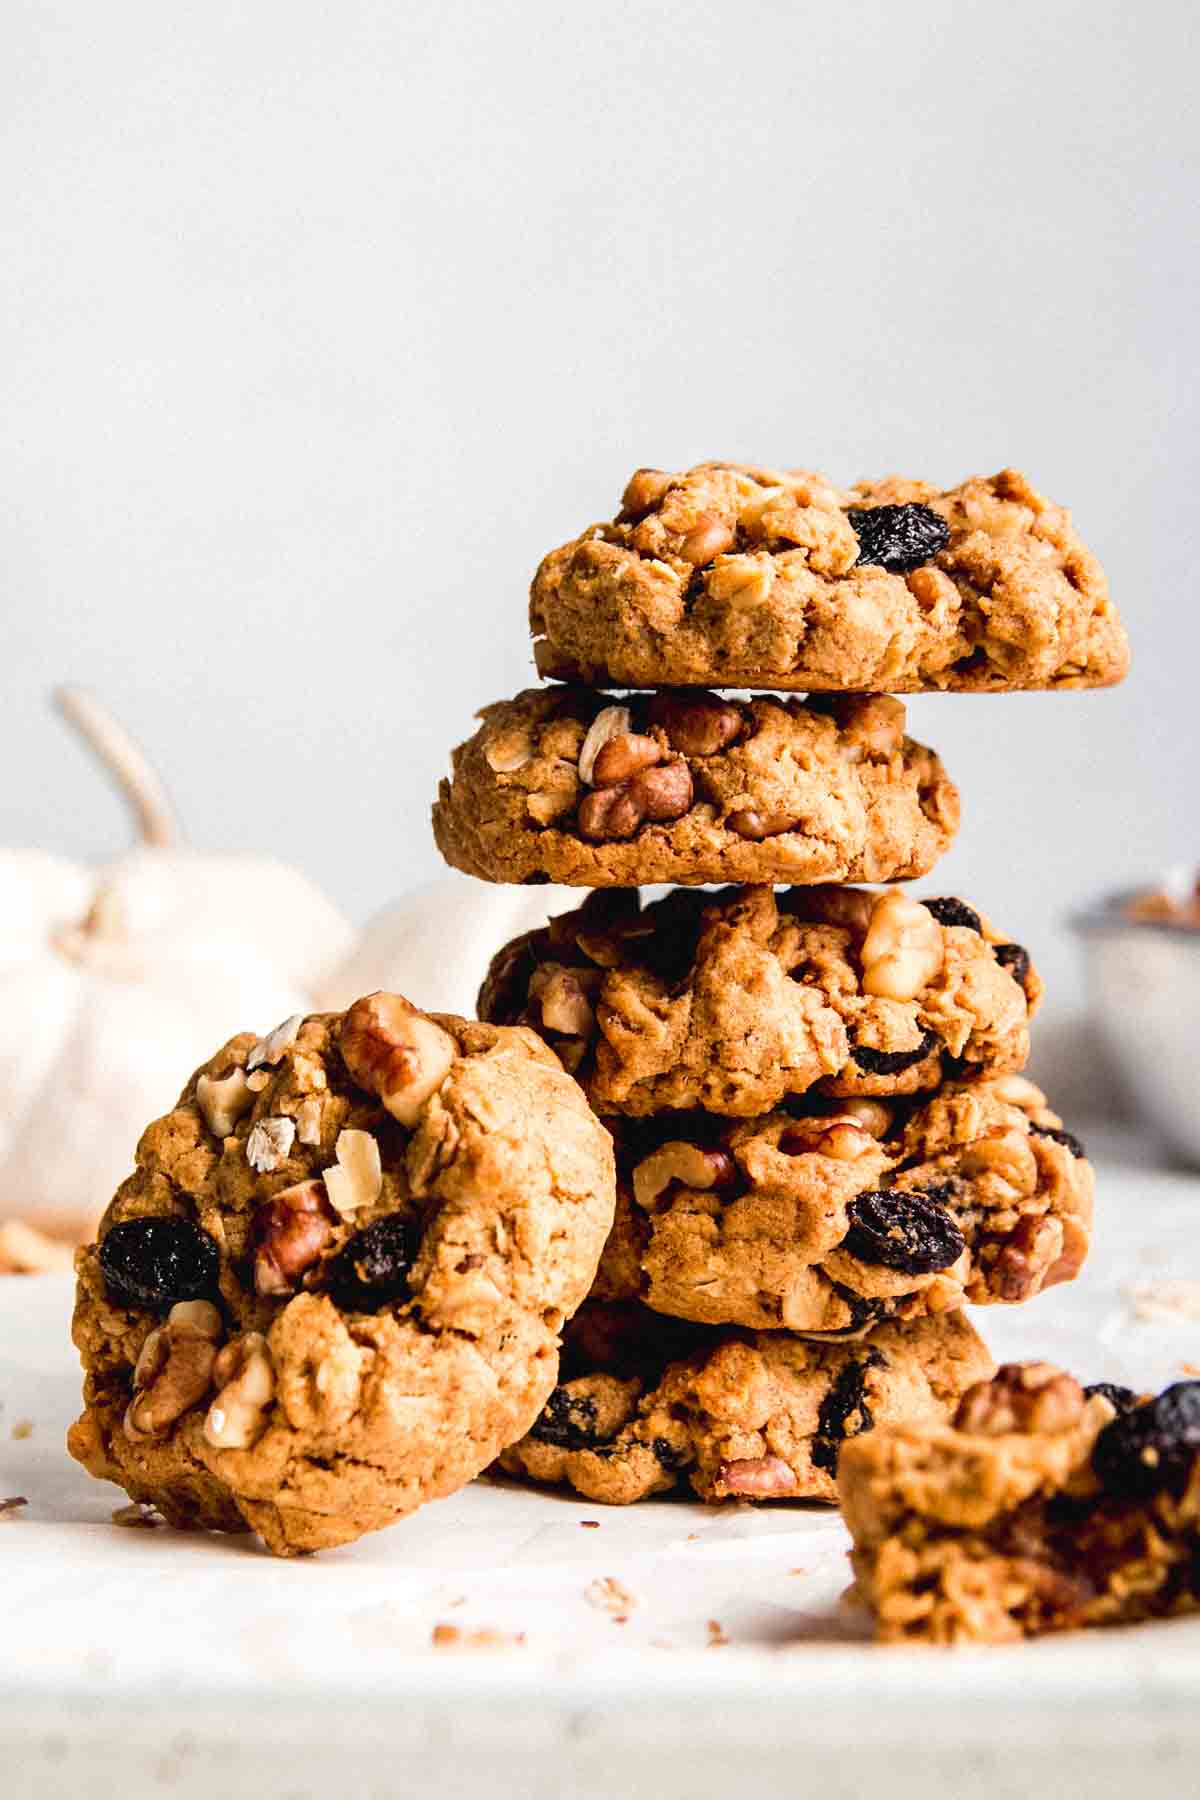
[(797, 1571), (453, 1637), (589, 1524), (1167, 1300), (23, 1428), (608, 1595), (10, 1507), (139, 1515), (716, 1634)]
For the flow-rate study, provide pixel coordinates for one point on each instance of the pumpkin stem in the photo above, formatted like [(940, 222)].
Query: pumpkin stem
[(125, 762)]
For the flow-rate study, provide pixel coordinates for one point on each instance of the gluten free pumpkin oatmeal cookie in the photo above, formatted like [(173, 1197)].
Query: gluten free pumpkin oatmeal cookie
[(333, 1287), (755, 1416), (567, 785), (1044, 1506), (829, 1222), (729, 575), (737, 1000)]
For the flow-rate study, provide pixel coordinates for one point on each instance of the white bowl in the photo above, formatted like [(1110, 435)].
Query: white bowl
[(1144, 982)]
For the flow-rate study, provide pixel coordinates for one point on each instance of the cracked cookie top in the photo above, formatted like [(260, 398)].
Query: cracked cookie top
[(752, 1416), (567, 785), (333, 1286), (829, 1221), (737, 1000), (728, 575), (1043, 1506)]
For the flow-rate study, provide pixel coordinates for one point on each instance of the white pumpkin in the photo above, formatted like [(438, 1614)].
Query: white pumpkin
[(115, 983), (434, 946)]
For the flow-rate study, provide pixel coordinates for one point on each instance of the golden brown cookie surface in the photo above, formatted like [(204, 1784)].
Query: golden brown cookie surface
[(829, 1223), (759, 1416), (726, 575), (1042, 1507), (333, 1286), (737, 1000), (568, 785)]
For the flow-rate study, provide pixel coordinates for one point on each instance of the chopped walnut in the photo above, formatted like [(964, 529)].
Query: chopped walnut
[(903, 949), (394, 1051), (356, 1180), (291, 1229), (174, 1369), (688, 1164), (246, 1381), (1024, 1397), (757, 1477), (222, 1100)]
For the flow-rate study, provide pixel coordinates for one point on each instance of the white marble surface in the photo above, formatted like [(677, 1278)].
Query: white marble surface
[(140, 1661)]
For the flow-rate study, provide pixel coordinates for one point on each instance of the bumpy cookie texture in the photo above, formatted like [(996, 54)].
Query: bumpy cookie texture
[(332, 1288), (567, 785), (732, 576), (1044, 1506), (739, 1000), (829, 1223), (758, 1416)]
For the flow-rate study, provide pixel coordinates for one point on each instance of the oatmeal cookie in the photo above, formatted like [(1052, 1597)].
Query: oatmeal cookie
[(1044, 1506), (737, 1000), (567, 785), (733, 576), (333, 1286), (758, 1416), (827, 1223)]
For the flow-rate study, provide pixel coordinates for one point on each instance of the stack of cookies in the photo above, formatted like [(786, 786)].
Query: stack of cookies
[(825, 1147)]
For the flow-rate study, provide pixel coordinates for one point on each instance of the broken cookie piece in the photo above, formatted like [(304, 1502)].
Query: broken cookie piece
[(1045, 1506)]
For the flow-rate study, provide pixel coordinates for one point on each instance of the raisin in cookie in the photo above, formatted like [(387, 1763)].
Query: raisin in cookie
[(828, 1223), (1044, 1506), (332, 1288), (729, 576), (758, 1416), (567, 785), (738, 1000)]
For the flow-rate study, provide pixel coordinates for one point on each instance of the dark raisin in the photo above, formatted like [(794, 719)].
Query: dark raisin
[(899, 538), (1014, 958), (536, 879), (892, 1062), (372, 1267), (568, 1421), (671, 1459), (954, 1068), (1122, 1398), (1060, 1137), (1150, 1447), (155, 1262), (847, 1395), (950, 911), (912, 1233)]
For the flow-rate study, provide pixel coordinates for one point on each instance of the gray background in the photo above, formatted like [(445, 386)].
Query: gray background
[(321, 322)]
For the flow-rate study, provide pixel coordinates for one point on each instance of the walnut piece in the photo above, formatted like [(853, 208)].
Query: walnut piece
[(174, 1369), (903, 949), (356, 1180), (291, 1230), (246, 1380), (1025, 1397), (689, 1164), (841, 1137), (760, 1477), (394, 1051), (222, 1100)]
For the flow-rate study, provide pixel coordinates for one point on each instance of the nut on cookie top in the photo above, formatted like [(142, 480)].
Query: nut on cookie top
[(734, 575), (331, 1289)]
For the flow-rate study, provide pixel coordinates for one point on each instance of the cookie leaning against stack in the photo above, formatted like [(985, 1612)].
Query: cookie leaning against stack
[(824, 1144)]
